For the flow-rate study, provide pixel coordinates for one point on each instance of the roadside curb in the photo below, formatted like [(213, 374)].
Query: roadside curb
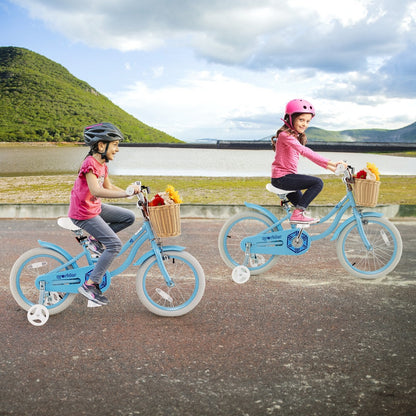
[(44, 211)]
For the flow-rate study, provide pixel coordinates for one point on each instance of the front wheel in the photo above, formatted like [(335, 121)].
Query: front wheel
[(380, 259), (24, 273), (238, 227), (188, 287)]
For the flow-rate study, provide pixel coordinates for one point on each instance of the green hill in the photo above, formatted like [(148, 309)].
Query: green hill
[(40, 101)]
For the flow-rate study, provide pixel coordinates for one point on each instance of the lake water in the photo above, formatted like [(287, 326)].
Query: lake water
[(141, 161)]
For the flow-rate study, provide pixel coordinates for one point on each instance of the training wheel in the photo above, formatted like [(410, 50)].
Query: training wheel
[(241, 274), (38, 315)]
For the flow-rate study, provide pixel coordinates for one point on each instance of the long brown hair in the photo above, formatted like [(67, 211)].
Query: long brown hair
[(300, 136)]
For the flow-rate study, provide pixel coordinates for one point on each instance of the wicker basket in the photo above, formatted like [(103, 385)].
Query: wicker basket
[(366, 192), (166, 220)]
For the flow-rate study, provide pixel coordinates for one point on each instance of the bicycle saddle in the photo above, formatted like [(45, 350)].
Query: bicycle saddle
[(277, 191), (65, 222)]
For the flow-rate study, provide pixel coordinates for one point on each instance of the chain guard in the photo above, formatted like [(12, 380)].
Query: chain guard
[(285, 242)]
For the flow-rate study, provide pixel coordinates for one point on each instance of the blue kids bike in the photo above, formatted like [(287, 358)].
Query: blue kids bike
[(368, 246), (45, 280)]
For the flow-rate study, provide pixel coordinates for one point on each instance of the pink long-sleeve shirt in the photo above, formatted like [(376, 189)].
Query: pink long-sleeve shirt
[(287, 154)]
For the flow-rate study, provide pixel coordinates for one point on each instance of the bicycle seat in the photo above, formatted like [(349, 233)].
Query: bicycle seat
[(65, 222), (280, 192)]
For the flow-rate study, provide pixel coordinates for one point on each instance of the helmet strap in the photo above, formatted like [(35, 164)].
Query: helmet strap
[(94, 149), (104, 154), (288, 124)]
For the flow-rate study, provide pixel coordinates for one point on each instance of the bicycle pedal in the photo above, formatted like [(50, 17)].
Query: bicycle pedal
[(92, 304), (303, 225)]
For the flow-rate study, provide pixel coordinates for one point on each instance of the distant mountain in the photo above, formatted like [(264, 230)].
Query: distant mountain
[(41, 101), (403, 135)]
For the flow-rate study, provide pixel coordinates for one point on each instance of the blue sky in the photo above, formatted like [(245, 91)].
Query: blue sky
[(225, 69)]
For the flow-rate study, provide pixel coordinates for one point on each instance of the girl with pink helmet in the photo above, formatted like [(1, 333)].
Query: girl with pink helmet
[(288, 143)]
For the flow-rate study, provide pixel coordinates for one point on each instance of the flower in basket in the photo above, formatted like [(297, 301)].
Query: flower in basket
[(169, 197), (173, 195), (374, 170), (362, 174), (370, 172)]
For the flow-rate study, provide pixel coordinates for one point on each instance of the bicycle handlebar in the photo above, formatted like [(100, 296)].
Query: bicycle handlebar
[(130, 189), (142, 201)]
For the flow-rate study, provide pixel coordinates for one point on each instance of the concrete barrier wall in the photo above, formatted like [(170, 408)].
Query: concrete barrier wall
[(188, 210)]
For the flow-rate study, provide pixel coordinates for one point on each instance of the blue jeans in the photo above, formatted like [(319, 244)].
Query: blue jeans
[(104, 227), (297, 182)]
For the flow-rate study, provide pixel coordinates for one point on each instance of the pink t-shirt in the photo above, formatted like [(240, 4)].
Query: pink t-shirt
[(287, 154), (84, 205)]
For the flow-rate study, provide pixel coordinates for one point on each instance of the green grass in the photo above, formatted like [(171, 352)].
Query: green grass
[(198, 190)]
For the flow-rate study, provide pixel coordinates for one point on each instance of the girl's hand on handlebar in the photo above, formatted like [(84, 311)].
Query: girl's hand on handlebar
[(133, 189), (340, 168), (337, 167)]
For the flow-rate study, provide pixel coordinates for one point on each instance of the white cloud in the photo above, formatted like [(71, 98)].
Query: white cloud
[(347, 13), (215, 100), (408, 23), (213, 104), (323, 34), (158, 71), (354, 59)]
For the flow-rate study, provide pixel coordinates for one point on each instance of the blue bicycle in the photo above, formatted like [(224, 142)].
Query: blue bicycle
[(45, 280), (368, 246)]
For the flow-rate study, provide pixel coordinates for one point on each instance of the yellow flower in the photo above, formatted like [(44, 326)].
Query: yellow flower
[(373, 168), (174, 195)]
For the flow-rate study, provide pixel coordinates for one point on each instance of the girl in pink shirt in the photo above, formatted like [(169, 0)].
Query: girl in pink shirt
[(288, 143), (101, 221)]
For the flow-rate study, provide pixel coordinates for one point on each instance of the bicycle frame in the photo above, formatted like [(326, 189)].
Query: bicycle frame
[(335, 227), (66, 279)]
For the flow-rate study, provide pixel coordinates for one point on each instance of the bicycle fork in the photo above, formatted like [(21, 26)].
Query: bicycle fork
[(360, 221), (161, 258)]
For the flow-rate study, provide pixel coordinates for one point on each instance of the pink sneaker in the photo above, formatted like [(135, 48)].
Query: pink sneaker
[(300, 217)]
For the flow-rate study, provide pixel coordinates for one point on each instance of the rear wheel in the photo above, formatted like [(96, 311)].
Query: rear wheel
[(238, 227), (24, 273)]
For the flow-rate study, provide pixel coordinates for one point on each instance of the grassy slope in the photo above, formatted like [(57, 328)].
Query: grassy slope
[(41, 101)]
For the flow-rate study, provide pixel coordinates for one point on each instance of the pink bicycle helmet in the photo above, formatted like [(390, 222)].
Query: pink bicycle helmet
[(295, 107)]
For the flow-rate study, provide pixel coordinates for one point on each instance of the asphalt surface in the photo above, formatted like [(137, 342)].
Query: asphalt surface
[(305, 338)]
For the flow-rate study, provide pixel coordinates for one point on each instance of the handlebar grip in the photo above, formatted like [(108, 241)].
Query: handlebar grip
[(340, 169), (130, 191)]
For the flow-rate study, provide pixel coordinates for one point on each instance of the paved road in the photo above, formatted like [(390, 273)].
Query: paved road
[(303, 339)]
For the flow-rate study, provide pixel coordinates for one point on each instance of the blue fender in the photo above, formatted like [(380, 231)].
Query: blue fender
[(56, 248), (350, 220), (150, 253), (262, 210)]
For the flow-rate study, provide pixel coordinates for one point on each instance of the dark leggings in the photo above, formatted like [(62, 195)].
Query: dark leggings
[(296, 182)]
